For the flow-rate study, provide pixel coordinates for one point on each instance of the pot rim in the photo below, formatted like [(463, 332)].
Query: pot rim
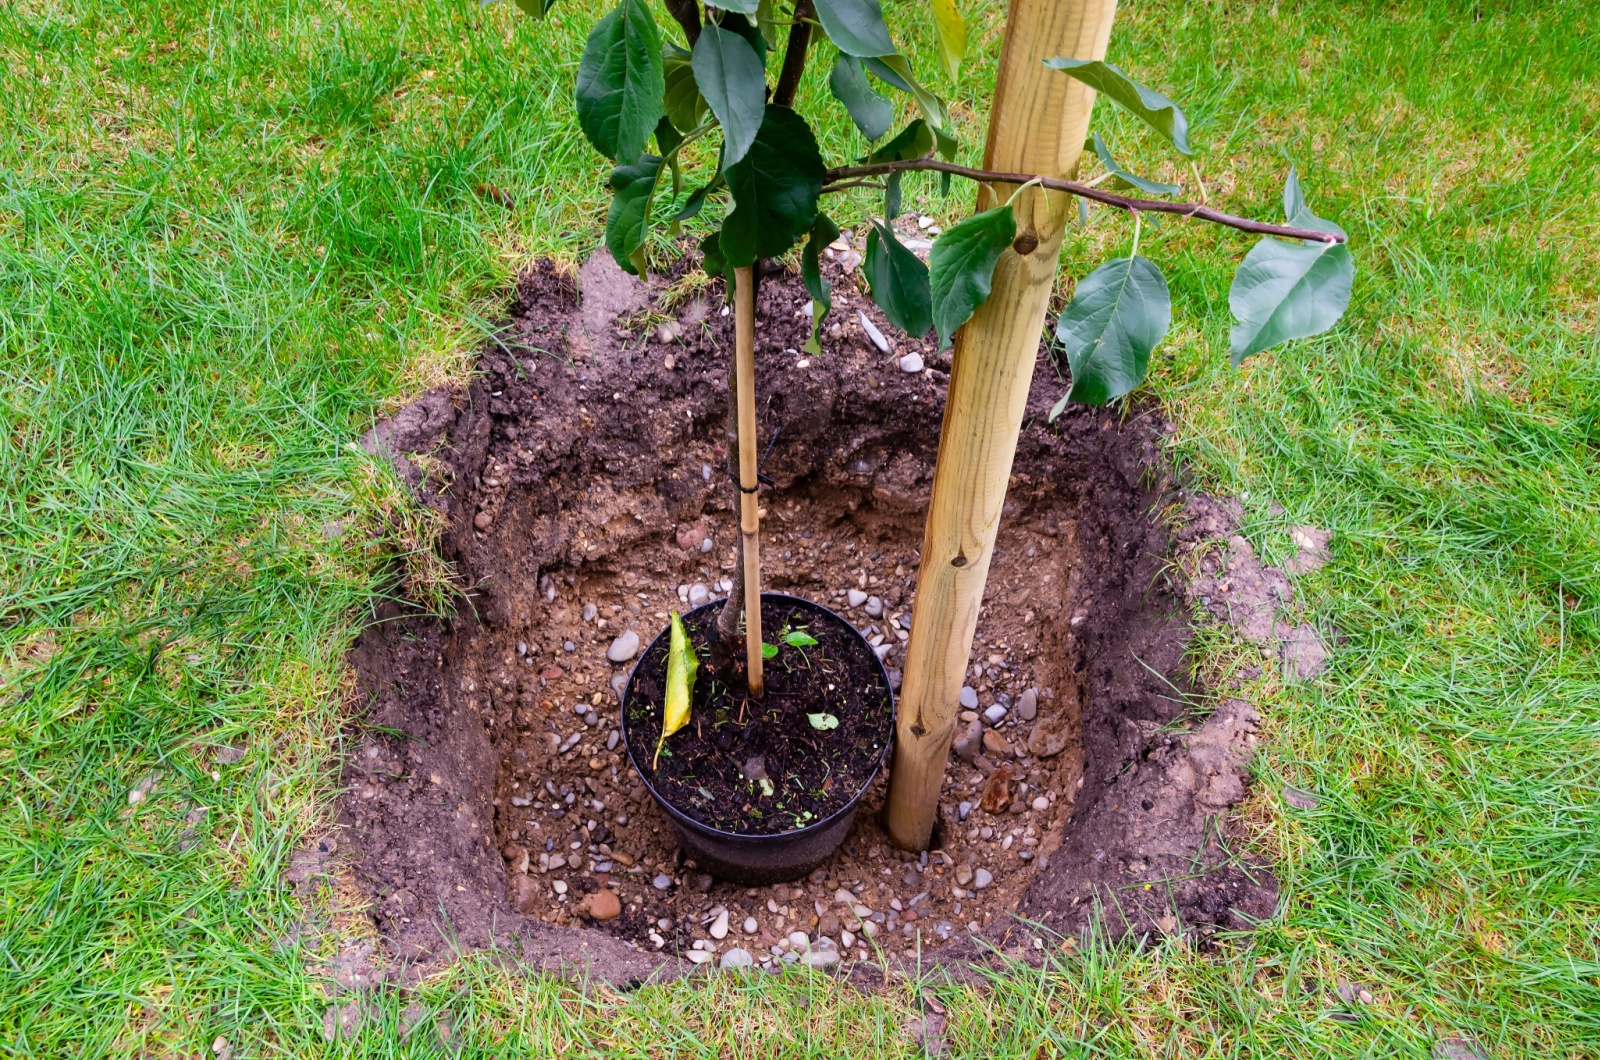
[(745, 837)]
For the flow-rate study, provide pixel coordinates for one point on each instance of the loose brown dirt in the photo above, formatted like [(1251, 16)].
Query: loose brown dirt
[(579, 475)]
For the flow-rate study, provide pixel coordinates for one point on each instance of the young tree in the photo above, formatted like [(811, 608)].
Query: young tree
[(637, 89)]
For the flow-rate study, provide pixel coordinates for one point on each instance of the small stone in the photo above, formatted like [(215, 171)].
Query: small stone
[(995, 714), (619, 684), (221, 1048), (963, 810), (1050, 737), (982, 878), (882, 650), (719, 926), (737, 957), (604, 904), (1041, 803), (568, 646), (700, 956), (707, 545), (483, 520), (969, 697), (624, 647), (799, 940), (560, 886), (591, 719), (874, 607), (873, 333), (661, 882), (856, 597), (699, 594), (612, 739), (847, 938), (1300, 800), (964, 875), (997, 792), (1028, 705), (967, 743), (668, 332), (526, 896), (995, 744), (911, 363), (822, 954), (750, 926)]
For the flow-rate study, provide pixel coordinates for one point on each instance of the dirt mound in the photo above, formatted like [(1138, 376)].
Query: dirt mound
[(489, 801)]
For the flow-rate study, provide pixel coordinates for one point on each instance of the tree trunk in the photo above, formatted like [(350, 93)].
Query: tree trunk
[(1038, 122)]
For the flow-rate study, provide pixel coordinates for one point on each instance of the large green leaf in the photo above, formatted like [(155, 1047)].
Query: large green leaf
[(961, 266), (628, 219), (775, 189), (1288, 291), (697, 199), (620, 82), (682, 101), (914, 141), (895, 71), (952, 33), (744, 27), (855, 26), (899, 282), (823, 232), (734, 84), (1117, 315), (1125, 178), (871, 111), (1156, 110)]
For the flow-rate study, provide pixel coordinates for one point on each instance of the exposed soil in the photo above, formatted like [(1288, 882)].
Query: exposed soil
[(712, 770), (576, 476)]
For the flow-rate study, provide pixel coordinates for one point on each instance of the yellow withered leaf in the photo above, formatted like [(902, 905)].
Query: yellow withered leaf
[(952, 32), (682, 666)]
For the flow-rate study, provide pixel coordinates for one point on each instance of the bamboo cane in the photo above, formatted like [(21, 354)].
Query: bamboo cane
[(1037, 125), (744, 328)]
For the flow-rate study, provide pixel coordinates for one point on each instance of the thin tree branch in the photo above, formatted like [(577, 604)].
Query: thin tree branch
[(794, 54), (836, 179), (687, 14)]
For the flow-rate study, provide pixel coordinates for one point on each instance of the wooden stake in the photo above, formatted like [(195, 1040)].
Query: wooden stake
[(1037, 125), (744, 330)]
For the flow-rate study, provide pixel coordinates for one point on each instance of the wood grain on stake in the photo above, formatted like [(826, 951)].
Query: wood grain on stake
[(744, 330), (1037, 125)]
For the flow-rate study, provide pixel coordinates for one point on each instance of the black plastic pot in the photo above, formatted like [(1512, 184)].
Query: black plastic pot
[(761, 859)]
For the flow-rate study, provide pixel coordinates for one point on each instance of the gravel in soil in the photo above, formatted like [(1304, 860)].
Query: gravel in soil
[(578, 476)]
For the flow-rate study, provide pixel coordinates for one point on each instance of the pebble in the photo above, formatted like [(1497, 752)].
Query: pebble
[(873, 333), (995, 714), (874, 607), (820, 955), (967, 743), (982, 878), (568, 646), (911, 363), (963, 810), (560, 887), (612, 739), (698, 594), (995, 744), (589, 612), (1028, 705), (882, 650), (619, 683), (737, 958), (624, 647), (857, 597), (1041, 803), (964, 875), (719, 926), (707, 545), (482, 520), (700, 956), (750, 925), (799, 940), (969, 697), (661, 882), (605, 905), (591, 719)]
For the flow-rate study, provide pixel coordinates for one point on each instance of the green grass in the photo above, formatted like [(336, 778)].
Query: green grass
[(233, 233)]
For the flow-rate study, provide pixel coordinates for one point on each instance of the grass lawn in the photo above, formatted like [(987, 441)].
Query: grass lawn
[(233, 232)]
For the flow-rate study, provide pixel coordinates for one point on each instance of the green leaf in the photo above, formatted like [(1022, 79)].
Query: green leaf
[(823, 722), (734, 84), (855, 26), (628, 219), (620, 82), (1154, 109), (1123, 177), (899, 282), (1296, 212), (914, 141), (775, 189), (871, 111), (536, 8), (1118, 314), (743, 7), (667, 141), (823, 232), (961, 266), (767, 22), (697, 199), (681, 99), (741, 25), (799, 638), (1288, 291), (952, 32), (769, 651), (895, 71), (714, 262)]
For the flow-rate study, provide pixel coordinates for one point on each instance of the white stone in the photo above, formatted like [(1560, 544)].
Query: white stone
[(847, 938), (560, 887), (1041, 803), (750, 925), (911, 363), (700, 956), (737, 958), (874, 607), (1028, 704), (719, 926), (969, 697), (799, 940), (873, 333), (982, 878), (698, 594), (995, 714), (856, 597), (624, 647)]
